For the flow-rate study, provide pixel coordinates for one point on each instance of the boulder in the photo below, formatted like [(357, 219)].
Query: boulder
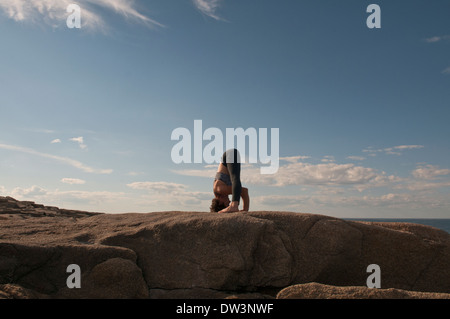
[(210, 255), (115, 278), (43, 269)]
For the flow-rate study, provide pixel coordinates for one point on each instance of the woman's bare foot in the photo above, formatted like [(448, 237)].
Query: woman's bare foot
[(234, 207)]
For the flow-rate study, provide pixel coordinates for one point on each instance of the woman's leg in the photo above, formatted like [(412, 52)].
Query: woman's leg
[(232, 160)]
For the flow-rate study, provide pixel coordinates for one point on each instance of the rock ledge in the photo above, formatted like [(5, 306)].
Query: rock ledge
[(206, 255)]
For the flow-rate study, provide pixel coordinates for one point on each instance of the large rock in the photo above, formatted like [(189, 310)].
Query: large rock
[(115, 278), (44, 268), (321, 291), (196, 254)]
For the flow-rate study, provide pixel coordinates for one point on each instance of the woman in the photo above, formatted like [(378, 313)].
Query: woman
[(228, 181)]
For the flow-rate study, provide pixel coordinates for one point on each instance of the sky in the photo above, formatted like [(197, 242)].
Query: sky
[(86, 114)]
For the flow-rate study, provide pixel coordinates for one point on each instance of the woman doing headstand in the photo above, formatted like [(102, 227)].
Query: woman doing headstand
[(228, 181)]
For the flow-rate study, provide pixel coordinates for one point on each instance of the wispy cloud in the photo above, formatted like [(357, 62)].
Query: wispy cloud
[(294, 159), (327, 174), (127, 9), (133, 173), (53, 12), (83, 200), (33, 191), (396, 150), (356, 158), (73, 181), (436, 39), (61, 159), (439, 38), (38, 130), (306, 174), (157, 186), (430, 172), (209, 7), (80, 141), (113, 202), (327, 159), (171, 194)]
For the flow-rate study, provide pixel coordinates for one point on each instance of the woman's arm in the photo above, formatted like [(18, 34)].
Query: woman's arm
[(245, 199)]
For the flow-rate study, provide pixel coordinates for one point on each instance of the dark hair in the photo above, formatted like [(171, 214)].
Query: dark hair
[(217, 205)]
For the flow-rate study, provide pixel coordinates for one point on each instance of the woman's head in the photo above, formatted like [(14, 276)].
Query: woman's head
[(219, 202)]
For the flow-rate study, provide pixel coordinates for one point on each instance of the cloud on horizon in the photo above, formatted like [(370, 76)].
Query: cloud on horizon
[(339, 177), (164, 187), (73, 181), (396, 150), (430, 172), (296, 172)]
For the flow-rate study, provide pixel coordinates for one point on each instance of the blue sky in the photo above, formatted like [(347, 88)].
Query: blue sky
[(87, 114)]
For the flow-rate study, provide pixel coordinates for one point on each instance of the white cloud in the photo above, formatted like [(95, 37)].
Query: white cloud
[(356, 158), (88, 196), (39, 130), (437, 38), (429, 172), (419, 186), (294, 159), (323, 174), (396, 150), (282, 200), (80, 141), (53, 12), (347, 176), (158, 186), (171, 196), (73, 181), (299, 173), (125, 8), (92, 201), (425, 178), (408, 147), (209, 172), (446, 71), (55, 141), (327, 159), (64, 160), (2, 191), (33, 191), (133, 173), (391, 202), (389, 199), (433, 39), (208, 7)]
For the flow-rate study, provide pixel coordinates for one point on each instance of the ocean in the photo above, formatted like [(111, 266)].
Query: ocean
[(443, 224)]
